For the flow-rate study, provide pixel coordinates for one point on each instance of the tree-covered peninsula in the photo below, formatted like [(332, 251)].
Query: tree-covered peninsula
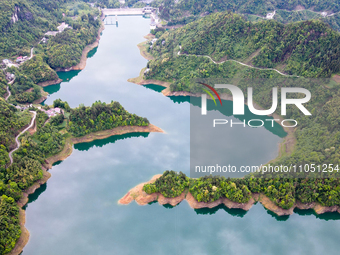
[(321, 195), (55, 128)]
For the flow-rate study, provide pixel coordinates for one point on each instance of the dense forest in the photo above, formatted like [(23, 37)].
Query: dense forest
[(65, 49), (293, 48), (9, 223), (24, 90), (11, 122), (185, 11), (101, 116), (48, 140), (3, 85), (23, 25), (318, 137), (38, 70), (177, 181), (308, 48), (283, 192)]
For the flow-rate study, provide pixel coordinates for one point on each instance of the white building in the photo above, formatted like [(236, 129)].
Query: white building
[(6, 62), (10, 76), (270, 15), (60, 28), (153, 25), (52, 112)]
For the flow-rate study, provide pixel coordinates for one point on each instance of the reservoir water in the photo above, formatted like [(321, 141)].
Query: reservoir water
[(76, 211)]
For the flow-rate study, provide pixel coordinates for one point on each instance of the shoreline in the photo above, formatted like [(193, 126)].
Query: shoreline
[(68, 148), (48, 83), (82, 64), (142, 198), (286, 146), (66, 152)]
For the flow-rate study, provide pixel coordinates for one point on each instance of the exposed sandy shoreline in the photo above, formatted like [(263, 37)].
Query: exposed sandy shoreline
[(23, 239), (67, 151), (48, 83), (143, 198), (81, 65), (25, 234)]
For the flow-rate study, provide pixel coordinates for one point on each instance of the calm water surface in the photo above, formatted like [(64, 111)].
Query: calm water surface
[(76, 212)]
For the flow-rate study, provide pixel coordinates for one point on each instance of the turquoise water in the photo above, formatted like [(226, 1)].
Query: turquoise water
[(76, 212)]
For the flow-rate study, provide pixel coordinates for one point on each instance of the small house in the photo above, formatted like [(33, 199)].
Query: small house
[(62, 27), (270, 15), (153, 25), (6, 62), (10, 76), (19, 59)]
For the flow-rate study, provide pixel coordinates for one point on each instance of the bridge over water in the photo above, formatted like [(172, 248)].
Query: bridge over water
[(128, 11)]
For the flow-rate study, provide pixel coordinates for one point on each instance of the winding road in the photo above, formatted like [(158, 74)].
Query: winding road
[(17, 137), (320, 13), (9, 93), (31, 53), (218, 63), (27, 128)]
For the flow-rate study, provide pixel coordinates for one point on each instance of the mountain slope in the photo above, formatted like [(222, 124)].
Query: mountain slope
[(308, 48), (178, 11)]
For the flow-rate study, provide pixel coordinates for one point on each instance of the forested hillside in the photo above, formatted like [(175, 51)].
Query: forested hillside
[(294, 47), (304, 48), (11, 122), (101, 116), (49, 139), (24, 90), (23, 23), (283, 192), (65, 49), (308, 48), (38, 70), (3, 85), (184, 11)]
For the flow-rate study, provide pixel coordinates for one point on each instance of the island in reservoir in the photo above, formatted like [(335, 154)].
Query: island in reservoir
[(279, 195)]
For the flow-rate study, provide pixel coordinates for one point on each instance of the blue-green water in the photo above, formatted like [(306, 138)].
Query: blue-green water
[(76, 212)]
